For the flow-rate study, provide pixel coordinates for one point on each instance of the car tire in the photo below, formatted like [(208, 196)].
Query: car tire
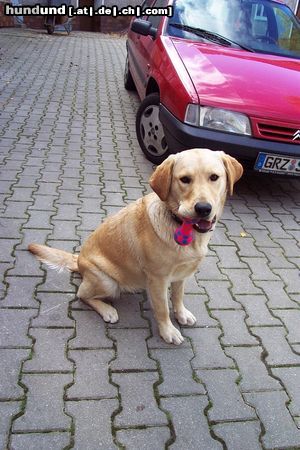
[(149, 130), (128, 80)]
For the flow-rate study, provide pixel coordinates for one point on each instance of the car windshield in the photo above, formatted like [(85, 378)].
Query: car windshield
[(257, 25)]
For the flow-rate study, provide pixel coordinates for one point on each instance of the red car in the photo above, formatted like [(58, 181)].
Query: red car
[(221, 74)]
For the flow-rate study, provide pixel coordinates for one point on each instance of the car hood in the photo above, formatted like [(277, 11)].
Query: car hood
[(257, 84)]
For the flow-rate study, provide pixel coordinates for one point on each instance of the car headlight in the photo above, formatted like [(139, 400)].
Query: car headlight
[(217, 119)]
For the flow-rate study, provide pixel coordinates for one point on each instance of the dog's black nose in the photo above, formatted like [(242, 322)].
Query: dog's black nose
[(203, 209)]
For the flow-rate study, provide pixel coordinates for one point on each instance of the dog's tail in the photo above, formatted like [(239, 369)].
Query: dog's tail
[(54, 258)]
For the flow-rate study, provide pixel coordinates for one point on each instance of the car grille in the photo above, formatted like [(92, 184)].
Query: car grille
[(279, 131)]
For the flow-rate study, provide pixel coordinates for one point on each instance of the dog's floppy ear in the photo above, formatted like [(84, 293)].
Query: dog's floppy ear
[(161, 179), (233, 169)]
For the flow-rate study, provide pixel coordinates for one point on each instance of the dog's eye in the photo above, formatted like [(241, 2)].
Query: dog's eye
[(214, 177), (185, 180)]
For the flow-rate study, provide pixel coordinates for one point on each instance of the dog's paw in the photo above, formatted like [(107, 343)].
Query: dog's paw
[(185, 317), (110, 314), (170, 334)]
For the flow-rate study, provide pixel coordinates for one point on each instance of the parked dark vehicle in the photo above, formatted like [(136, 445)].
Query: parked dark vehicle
[(218, 74)]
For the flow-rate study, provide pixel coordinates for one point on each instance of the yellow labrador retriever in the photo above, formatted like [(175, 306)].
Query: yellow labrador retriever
[(135, 248)]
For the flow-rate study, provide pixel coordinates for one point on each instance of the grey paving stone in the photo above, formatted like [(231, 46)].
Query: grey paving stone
[(289, 246), (250, 221), (55, 281), (207, 348), (145, 439), (220, 296), (241, 281), (69, 198), (274, 341), (190, 423), (233, 434), (64, 230), (291, 278), (237, 334), (209, 270), (246, 247), (49, 358), (90, 331), (277, 297), (291, 319), (40, 441), (90, 221), (53, 310), (219, 235), (196, 304), (29, 236), (137, 400), (6, 249), (21, 292), (90, 205), (21, 194), (25, 265), (260, 269), (289, 376), (42, 202), (257, 312), (131, 350), (264, 214), (224, 393), (276, 230), (11, 228), (254, 373), (8, 411), (17, 210), (44, 406), (191, 286), (176, 372), (280, 429), (93, 423), (91, 379), (288, 221), (9, 373), (277, 259), (66, 212), (47, 188), (14, 325), (129, 311), (91, 191), (228, 257), (263, 238)]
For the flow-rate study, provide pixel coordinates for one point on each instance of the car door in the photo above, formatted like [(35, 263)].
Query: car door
[(142, 46)]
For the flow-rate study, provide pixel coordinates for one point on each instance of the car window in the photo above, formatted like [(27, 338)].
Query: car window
[(155, 20), (261, 25), (146, 3)]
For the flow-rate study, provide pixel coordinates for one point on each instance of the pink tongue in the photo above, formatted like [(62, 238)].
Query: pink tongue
[(204, 224)]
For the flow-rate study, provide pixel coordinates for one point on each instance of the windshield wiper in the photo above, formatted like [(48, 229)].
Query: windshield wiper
[(213, 37)]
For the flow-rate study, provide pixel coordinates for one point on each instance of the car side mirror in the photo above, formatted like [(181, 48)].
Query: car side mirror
[(143, 27)]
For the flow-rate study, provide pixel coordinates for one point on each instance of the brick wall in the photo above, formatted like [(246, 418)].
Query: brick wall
[(5, 21)]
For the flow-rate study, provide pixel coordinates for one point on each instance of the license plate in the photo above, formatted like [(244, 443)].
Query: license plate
[(277, 164)]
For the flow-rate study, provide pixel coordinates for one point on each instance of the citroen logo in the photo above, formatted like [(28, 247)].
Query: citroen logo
[(296, 135)]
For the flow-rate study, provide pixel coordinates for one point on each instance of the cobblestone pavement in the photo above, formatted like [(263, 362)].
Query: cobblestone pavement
[(70, 157)]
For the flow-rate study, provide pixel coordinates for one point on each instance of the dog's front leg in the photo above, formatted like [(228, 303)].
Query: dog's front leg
[(183, 315), (158, 293)]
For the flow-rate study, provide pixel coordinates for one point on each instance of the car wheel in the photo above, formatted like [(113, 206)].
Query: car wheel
[(149, 130), (128, 80)]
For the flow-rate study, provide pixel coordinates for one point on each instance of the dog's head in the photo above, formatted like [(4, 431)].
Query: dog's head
[(194, 184)]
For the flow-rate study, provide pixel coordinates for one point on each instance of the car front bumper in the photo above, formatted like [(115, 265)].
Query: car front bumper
[(181, 136)]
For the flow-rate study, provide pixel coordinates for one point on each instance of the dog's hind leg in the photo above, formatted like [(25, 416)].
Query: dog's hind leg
[(93, 293)]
